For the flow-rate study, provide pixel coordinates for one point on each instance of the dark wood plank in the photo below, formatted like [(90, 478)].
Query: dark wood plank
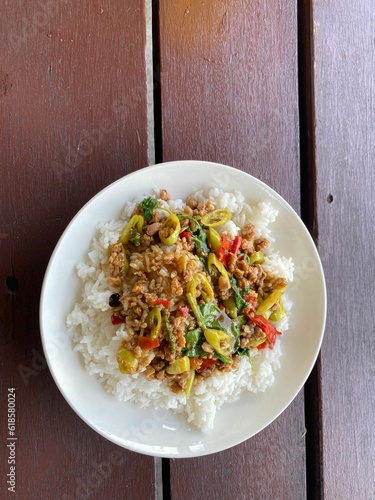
[(269, 465), (229, 87), (229, 94), (345, 148), (74, 118)]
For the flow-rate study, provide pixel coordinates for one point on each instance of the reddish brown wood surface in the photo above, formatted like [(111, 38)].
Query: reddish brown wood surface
[(269, 465), (345, 151), (229, 87), (73, 119), (229, 94)]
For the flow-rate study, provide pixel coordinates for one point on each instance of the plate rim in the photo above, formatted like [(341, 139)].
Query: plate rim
[(142, 171)]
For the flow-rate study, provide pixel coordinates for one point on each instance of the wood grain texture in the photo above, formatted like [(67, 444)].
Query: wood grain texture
[(73, 119), (269, 465), (229, 87), (229, 94), (345, 149)]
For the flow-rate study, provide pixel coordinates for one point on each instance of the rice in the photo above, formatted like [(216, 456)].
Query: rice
[(98, 340)]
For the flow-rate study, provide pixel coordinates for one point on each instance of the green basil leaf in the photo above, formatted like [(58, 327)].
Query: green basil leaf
[(209, 312), (200, 241), (194, 341), (148, 205), (244, 351), (238, 299)]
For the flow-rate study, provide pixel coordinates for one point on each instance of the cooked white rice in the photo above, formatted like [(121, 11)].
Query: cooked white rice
[(98, 340)]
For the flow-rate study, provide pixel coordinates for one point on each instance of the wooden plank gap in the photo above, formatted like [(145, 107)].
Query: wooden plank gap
[(307, 116), (312, 389), (166, 477), (156, 81), (314, 435)]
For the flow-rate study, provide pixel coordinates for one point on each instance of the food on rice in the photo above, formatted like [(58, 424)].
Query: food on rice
[(183, 302)]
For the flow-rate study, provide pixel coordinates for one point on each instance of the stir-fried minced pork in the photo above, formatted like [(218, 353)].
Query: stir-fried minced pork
[(182, 302), (193, 298)]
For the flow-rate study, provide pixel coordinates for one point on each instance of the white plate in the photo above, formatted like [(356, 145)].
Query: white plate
[(160, 433)]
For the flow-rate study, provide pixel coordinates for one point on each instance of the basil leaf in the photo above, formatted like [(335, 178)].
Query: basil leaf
[(135, 240), (243, 351), (200, 240), (209, 312), (199, 236), (148, 205), (204, 262), (237, 325), (194, 339), (238, 299)]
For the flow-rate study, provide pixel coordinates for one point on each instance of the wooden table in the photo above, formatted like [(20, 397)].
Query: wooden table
[(90, 91)]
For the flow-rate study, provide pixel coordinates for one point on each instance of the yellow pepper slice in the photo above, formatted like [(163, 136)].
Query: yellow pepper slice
[(220, 341), (257, 258), (126, 262), (279, 313), (256, 342), (170, 230), (189, 383), (270, 300), (230, 307), (194, 306), (206, 288), (134, 226), (154, 322), (180, 365), (213, 239), (213, 262), (216, 218), (206, 292), (126, 360)]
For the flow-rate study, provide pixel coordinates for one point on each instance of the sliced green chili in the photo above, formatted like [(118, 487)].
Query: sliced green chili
[(189, 383), (270, 300), (279, 313), (170, 230), (216, 218), (206, 292), (180, 365), (154, 322), (216, 338), (213, 239), (133, 228), (214, 264), (230, 307), (257, 258), (126, 360)]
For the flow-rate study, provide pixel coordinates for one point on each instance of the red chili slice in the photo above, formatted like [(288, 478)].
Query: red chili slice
[(116, 320), (186, 234), (224, 249), (237, 242), (225, 242), (147, 342), (251, 299), (161, 302), (205, 364), (266, 327), (262, 346), (222, 255)]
